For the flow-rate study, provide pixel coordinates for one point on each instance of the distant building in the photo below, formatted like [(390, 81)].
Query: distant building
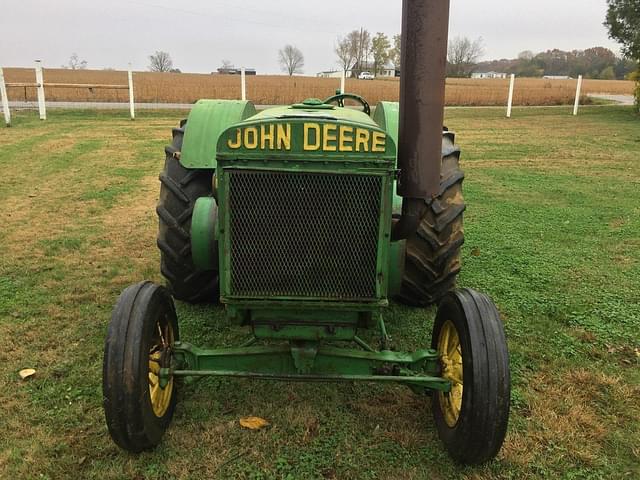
[(557, 77), (333, 74), (488, 75), (235, 71), (389, 71)]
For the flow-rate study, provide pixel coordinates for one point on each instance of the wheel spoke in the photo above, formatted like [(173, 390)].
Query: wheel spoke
[(154, 367)]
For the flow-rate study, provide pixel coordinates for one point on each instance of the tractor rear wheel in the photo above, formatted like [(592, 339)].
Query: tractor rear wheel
[(432, 260), (180, 188)]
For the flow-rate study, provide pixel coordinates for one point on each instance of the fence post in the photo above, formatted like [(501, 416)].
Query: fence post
[(131, 102), (577, 103), (42, 109), (510, 103), (243, 83), (342, 81), (5, 100)]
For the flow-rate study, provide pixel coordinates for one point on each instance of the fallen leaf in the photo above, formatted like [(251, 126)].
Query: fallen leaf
[(475, 252), (26, 373), (253, 423)]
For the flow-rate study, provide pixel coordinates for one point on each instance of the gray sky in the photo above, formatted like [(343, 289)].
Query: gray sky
[(199, 34)]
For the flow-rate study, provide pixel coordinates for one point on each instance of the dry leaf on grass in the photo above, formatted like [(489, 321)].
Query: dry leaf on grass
[(26, 373), (253, 423)]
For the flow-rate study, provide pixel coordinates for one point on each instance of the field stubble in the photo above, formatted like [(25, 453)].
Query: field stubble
[(281, 90)]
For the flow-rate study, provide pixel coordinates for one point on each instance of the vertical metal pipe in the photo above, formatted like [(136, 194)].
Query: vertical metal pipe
[(425, 27)]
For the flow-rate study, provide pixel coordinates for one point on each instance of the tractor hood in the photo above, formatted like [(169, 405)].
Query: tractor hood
[(303, 131)]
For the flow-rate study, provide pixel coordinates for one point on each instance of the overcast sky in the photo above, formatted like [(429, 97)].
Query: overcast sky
[(199, 34)]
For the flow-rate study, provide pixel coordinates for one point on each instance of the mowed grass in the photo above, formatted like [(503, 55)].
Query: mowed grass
[(552, 233)]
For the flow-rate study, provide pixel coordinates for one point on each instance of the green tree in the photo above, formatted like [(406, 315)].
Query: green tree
[(380, 46), (394, 52), (607, 74), (623, 21)]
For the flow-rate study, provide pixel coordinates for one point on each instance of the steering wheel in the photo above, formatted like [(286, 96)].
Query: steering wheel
[(341, 97)]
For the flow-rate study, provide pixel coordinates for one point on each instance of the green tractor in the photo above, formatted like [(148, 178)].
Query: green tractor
[(304, 221)]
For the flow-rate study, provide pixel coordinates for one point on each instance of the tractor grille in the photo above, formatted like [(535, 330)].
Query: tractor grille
[(303, 234)]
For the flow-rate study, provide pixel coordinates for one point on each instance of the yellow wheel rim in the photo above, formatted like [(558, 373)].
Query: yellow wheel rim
[(450, 352), (160, 397)]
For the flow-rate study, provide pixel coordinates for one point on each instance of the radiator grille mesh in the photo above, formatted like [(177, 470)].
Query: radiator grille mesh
[(303, 234)]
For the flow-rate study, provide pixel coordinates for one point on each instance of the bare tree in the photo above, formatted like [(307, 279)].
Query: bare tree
[(291, 59), (75, 63), (160, 62), (361, 44), (345, 54), (353, 51), (462, 55)]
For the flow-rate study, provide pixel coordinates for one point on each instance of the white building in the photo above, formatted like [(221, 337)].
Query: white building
[(488, 75), (389, 71), (333, 74)]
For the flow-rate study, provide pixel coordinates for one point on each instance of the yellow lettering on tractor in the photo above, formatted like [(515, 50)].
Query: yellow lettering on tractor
[(284, 137), (325, 137), (238, 142), (308, 146), (251, 138), (362, 140), (346, 139), (379, 142), (267, 134), (329, 140)]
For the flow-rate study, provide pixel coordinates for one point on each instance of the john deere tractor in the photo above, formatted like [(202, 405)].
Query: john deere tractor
[(304, 221)]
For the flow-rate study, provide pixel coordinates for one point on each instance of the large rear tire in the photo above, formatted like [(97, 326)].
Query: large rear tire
[(432, 260), (180, 188)]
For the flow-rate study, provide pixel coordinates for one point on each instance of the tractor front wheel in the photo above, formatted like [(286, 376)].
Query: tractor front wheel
[(138, 406), (472, 418)]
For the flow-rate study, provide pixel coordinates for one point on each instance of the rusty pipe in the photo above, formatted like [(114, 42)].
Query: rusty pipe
[(425, 27)]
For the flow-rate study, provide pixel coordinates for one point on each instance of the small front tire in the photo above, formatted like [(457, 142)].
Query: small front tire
[(469, 336), (142, 331)]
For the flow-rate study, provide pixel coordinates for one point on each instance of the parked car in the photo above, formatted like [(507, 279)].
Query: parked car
[(366, 76)]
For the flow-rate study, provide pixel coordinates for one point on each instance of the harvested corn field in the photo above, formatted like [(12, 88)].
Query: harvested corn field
[(278, 90)]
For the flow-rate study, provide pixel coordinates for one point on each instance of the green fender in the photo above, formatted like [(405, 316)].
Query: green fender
[(387, 118), (207, 120)]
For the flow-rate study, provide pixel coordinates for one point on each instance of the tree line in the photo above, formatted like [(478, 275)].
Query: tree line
[(595, 62)]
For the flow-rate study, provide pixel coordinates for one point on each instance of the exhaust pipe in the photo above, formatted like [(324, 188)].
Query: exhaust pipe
[(425, 28)]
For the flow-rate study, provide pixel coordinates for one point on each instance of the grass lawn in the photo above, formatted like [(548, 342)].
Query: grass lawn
[(553, 234)]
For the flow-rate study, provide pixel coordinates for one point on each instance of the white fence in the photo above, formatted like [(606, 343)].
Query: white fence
[(40, 86)]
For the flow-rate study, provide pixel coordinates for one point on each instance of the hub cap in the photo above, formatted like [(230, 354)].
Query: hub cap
[(450, 352)]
